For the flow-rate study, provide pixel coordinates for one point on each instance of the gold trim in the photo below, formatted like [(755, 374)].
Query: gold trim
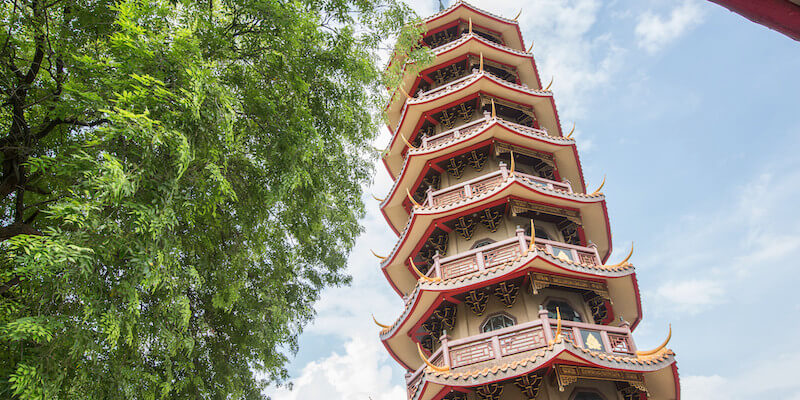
[(376, 255), (569, 135), (378, 198), (657, 349), (533, 239), (549, 84), (380, 324), (513, 164), (601, 186), (494, 112), (428, 363), (404, 92), (518, 14), (420, 274), (623, 262), (412, 199), (481, 62), (410, 146), (557, 336), (470, 26), (531, 48)]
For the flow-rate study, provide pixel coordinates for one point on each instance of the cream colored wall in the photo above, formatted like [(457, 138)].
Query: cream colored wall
[(492, 165), (524, 309), (457, 244)]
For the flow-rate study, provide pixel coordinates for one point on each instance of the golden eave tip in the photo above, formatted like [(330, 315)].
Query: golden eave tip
[(659, 348), (420, 274), (428, 363), (410, 146), (599, 188), (557, 336), (380, 324), (376, 255), (623, 262), (547, 89), (378, 198), (569, 135)]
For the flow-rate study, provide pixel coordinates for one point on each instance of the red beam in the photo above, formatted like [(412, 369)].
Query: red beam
[(779, 15)]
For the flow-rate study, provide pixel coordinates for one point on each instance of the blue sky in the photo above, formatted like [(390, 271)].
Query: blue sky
[(693, 114)]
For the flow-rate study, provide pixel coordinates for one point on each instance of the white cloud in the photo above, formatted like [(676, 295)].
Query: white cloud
[(773, 377), (691, 296), (361, 373), (653, 32)]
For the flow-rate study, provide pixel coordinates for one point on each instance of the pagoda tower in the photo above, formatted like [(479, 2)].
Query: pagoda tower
[(502, 250)]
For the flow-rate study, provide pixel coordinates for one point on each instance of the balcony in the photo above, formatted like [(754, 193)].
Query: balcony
[(483, 184), (509, 249), (495, 345)]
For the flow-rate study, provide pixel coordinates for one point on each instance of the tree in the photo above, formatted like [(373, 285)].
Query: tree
[(179, 180)]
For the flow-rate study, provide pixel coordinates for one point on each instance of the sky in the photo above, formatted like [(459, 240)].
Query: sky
[(693, 114)]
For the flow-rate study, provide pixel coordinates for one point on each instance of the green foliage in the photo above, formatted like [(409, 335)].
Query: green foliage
[(179, 181)]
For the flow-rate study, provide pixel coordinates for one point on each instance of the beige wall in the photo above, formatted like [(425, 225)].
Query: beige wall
[(524, 309)]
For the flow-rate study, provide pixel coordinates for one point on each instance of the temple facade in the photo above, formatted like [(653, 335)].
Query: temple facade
[(502, 250)]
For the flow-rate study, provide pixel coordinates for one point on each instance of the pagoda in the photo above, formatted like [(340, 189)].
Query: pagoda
[(502, 250)]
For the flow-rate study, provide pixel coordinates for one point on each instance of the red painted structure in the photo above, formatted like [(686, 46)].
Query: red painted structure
[(498, 236), (779, 15)]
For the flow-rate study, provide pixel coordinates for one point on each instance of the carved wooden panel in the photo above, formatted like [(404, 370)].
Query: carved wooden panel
[(449, 197), (471, 353), (492, 391), (501, 254), (568, 374), (517, 342), (620, 343), (460, 267)]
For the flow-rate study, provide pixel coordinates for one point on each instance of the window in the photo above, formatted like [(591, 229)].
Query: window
[(567, 312), (542, 234), (482, 242), (496, 322), (587, 396)]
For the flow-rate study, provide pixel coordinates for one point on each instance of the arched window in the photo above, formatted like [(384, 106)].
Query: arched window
[(482, 242), (496, 322), (542, 234), (567, 312), (586, 395)]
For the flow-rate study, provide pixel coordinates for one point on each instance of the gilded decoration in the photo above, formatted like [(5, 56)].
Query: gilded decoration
[(447, 314), (570, 232), (490, 218), (433, 326), (476, 301), (529, 385), (540, 281), (492, 391), (477, 159), (439, 242), (547, 158), (447, 118), (429, 342), (597, 304), (432, 181), (628, 392), (569, 374), (455, 166), (465, 227), (466, 111), (455, 396), (519, 206), (507, 293)]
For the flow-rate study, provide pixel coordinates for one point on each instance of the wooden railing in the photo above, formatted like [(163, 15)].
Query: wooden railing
[(483, 184), (505, 250), (529, 336), (469, 127)]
